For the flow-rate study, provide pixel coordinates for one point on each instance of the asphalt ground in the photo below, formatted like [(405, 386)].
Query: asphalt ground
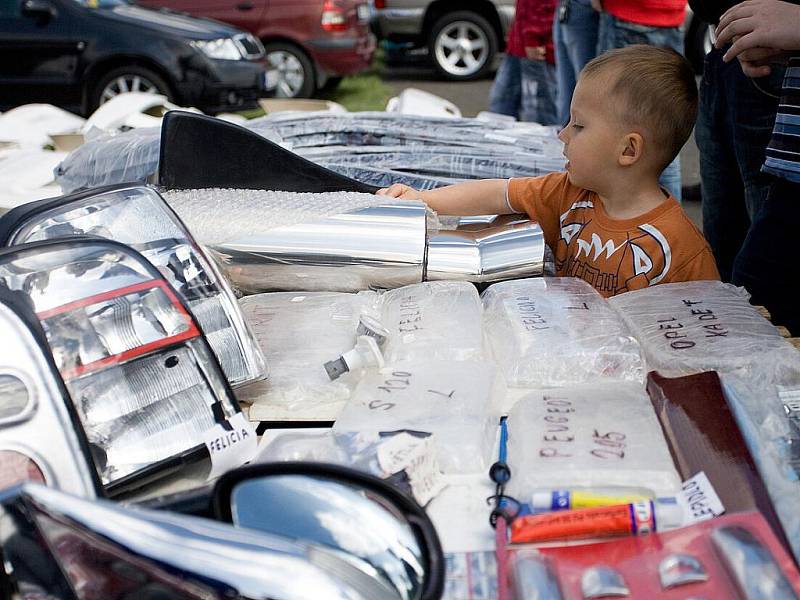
[(472, 97)]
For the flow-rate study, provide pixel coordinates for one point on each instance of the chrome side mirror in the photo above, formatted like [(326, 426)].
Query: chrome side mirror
[(55, 545), (357, 515)]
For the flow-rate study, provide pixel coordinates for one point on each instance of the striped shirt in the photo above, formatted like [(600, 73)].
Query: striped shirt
[(783, 152)]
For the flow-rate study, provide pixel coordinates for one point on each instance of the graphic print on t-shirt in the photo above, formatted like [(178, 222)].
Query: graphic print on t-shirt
[(612, 262)]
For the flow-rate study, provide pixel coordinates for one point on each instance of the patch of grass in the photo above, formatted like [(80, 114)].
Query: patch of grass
[(365, 91)]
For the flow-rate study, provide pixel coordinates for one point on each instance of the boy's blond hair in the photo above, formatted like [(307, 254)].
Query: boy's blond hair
[(656, 91)]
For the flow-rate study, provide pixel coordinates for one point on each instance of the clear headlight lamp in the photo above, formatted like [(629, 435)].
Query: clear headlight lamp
[(220, 49), (137, 216), (143, 382)]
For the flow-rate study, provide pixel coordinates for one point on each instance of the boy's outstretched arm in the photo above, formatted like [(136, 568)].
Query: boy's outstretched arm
[(481, 197)]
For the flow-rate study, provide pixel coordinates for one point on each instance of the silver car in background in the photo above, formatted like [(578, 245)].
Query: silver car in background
[(462, 38)]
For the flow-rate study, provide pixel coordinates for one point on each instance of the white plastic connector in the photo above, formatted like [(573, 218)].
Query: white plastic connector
[(365, 353)]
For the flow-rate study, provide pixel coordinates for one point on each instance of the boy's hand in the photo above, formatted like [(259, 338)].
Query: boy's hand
[(759, 24), (401, 191)]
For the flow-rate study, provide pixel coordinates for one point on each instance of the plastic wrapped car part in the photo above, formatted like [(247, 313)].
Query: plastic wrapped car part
[(380, 246), (697, 326), (490, 254), (247, 155), (767, 417), (415, 396), (602, 435), (111, 159), (466, 148), (557, 331), (432, 321), (137, 216), (143, 380), (702, 434), (299, 333)]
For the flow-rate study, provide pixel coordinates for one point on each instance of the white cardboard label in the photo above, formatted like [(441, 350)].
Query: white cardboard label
[(230, 447), (700, 501), (417, 456)]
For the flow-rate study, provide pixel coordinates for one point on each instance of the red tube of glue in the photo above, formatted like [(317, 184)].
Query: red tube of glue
[(637, 518)]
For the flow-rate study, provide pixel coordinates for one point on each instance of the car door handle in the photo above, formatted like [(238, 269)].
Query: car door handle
[(245, 6)]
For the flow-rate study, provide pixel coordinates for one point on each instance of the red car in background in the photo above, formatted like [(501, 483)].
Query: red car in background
[(311, 43)]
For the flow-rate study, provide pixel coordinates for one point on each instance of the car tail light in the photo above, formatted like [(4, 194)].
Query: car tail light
[(334, 17), (144, 384), (380, 3), (137, 216), (38, 437)]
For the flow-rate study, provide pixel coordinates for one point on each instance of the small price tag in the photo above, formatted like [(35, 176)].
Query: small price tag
[(700, 501), (230, 444), (417, 457)]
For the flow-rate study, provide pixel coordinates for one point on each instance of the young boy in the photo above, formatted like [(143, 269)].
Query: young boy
[(606, 219)]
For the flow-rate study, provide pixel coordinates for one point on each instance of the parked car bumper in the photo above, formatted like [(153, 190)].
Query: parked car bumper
[(234, 85), (343, 56), (399, 22)]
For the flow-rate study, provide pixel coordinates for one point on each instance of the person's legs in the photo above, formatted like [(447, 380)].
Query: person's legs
[(768, 262), (506, 92), (538, 84), (575, 41), (734, 126)]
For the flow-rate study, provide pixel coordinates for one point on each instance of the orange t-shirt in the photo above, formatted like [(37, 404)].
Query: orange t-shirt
[(614, 256)]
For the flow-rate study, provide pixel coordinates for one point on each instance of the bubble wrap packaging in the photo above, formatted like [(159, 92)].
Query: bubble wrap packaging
[(695, 326), (454, 401), (437, 320), (298, 334), (215, 216), (769, 418), (557, 331), (601, 436)]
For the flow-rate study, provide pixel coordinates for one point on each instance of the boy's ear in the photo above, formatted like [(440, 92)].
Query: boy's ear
[(632, 149)]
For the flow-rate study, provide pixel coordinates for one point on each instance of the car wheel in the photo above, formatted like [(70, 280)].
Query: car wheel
[(331, 84), (128, 79), (462, 45), (295, 71)]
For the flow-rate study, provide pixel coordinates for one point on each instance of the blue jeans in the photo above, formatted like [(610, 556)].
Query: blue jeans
[(616, 33), (767, 265), (733, 129), (575, 41), (525, 89)]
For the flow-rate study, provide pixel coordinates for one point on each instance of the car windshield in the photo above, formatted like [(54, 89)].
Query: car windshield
[(101, 3)]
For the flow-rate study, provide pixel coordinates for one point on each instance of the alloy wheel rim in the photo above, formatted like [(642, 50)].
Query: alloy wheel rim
[(127, 83), (461, 48), (290, 73)]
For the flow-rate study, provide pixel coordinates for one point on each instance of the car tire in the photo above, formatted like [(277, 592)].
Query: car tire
[(462, 45), (331, 84), (296, 77), (132, 78)]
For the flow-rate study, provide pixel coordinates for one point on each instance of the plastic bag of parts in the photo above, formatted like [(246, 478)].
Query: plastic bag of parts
[(310, 446), (599, 436), (769, 419), (695, 326), (299, 333), (128, 157), (557, 331), (435, 320), (416, 397)]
